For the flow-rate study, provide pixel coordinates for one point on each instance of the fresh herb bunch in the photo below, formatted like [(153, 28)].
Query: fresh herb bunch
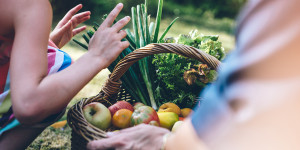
[(180, 79)]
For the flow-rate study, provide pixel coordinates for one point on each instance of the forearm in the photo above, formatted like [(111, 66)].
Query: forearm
[(71, 80), (54, 92)]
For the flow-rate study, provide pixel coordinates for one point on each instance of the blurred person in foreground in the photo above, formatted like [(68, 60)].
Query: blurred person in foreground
[(37, 79), (255, 102)]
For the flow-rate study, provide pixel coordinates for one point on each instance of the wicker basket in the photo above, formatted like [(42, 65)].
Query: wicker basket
[(82, 131)]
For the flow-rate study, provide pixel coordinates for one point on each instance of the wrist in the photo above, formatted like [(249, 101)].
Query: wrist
[(164, 140), (95, 60), (103, 59), (51, 43)]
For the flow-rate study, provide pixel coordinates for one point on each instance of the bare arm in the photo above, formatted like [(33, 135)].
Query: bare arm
[(35, 95)]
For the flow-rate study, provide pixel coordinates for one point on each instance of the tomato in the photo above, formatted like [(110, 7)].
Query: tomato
[(144, 114)]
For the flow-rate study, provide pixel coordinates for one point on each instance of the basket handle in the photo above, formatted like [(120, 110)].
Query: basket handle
[(113, 84), (151, 49)]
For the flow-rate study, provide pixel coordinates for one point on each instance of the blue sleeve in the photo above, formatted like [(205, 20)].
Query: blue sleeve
[(213, 111), (210, 112)]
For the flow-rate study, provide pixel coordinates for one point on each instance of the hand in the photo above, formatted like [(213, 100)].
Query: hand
[(65, 29), (106, 43), (143, 137)]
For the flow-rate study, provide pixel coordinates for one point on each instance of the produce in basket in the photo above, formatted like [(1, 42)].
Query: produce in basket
[(98, 115), (167, 119), (137, 105), (180, 79), (169, 107), (176, 125), (144, 114), (120, 105), (124, 116), (207, 43), (185, 112), (121, 119)]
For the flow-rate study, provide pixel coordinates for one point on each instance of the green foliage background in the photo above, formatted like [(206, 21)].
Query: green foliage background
[(217, 8)]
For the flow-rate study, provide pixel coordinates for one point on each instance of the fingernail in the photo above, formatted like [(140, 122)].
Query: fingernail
[(128, 17)]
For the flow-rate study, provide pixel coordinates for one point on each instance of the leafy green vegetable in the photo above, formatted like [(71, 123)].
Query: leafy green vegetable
[(180, 79), (185, 39), (207, 43), (171, 87), (212, 75)]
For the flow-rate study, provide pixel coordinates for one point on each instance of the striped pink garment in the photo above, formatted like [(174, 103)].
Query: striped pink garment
[(57, 61)]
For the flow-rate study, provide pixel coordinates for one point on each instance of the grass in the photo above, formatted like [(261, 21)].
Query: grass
[(59, 138)]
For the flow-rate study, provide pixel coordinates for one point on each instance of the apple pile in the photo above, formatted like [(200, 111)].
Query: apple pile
[(123, 115), (169, 114)]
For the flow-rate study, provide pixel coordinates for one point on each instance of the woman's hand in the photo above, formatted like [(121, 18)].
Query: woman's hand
[(143, 136), (106, 44), (66, 28)]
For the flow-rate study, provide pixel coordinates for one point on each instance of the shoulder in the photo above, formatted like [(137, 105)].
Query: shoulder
[(31, 8), (33, 15), (14, 12), (15, 6)]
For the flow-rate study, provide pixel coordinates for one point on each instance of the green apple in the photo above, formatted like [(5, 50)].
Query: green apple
[(167, 119), (97, 114)]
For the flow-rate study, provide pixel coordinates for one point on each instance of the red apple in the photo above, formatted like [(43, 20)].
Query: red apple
[(137, 105), (97, 114), (120, 105), (144, 114), (181, 118)]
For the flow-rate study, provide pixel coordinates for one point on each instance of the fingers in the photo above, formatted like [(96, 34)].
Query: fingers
[(121, 23), (78, 30), (122, 34), (124, 45), (112, 16), (131, 129), (66, 27), (80, 18), (72, 12), (104, 144), (76, 18)]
